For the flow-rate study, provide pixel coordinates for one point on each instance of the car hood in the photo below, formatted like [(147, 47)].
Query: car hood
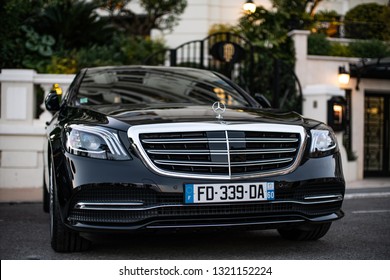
[(125, 116)]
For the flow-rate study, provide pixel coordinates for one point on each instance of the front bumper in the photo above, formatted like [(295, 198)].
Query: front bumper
[(101, 196), (121, 208)]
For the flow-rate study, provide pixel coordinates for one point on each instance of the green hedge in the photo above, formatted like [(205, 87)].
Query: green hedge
[(319, 45), (368, 21)]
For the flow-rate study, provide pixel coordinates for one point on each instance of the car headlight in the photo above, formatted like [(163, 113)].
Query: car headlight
[(323, 141), (94, 142)]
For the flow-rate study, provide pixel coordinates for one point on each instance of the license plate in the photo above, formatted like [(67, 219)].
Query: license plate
[(217, 193)]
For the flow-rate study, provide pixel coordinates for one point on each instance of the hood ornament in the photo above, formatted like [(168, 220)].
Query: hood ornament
[(219, 108)]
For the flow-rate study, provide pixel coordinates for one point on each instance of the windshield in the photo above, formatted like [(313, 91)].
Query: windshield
[(155, 86)]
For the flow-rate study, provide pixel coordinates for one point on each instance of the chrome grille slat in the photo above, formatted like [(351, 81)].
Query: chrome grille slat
[(208, 152), (263, 151), (193, 152), (180, 141), (263, 140), (223, 164), (194, 163), (219, 150), (263, 162), (217, 140)]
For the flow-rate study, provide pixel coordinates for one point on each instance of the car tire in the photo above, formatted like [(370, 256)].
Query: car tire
[(45, 198), (311, 233), (63, 239)]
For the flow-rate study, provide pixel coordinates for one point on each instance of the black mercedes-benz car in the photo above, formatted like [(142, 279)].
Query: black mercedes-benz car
[(154, 148)]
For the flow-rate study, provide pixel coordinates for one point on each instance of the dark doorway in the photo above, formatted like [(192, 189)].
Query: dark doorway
[(376, 135)]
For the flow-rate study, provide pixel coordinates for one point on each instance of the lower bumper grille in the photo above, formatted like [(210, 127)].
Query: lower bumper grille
[(159, 206), (180, 211)]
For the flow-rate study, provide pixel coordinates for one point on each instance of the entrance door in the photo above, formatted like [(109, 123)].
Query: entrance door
[(377, 135)]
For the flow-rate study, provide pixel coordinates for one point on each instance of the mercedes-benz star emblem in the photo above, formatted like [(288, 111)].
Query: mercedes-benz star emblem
[(219, 108)]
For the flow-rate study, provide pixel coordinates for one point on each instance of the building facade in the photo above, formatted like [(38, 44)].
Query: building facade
[(200, 15)]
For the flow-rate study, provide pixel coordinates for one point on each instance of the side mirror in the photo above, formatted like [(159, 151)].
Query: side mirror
[(52, 101), (263, 101)]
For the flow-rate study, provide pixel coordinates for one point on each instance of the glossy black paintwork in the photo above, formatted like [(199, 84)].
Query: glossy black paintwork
[(121, 117), (73, 172)]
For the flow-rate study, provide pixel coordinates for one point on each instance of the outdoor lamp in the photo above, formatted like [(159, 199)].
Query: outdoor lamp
[(249, 7), (343, 76)]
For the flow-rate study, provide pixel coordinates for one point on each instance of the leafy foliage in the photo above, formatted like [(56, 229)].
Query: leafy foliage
[(327, 22), (368, 21), (266, 29), (124, 50), (38, 49), (319, 45), (369, 49), (221, 27), (42, 44), (73, 24), (308, 6), (61, 65), (62, 36), (274, 54), (160, 14), (299, 12), (13, 14), (164, 14), (339, 49)]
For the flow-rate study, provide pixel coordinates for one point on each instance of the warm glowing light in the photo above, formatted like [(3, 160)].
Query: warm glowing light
[(249, 7), (344, 79), (343, 76), (338, 113)]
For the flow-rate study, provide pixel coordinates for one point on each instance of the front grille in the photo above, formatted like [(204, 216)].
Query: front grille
[(223, 153)]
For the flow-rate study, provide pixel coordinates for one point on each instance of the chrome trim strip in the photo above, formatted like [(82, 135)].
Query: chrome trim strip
[(336, 196), (262, 162), (221, 152), (264, 151), (186, 152), (88, 151), (108, 208), (222, 164), (183, 141), (102, 205), (192, 163), (134, 132), (228, 153), (225, 224), (264, 140), (218, 140)]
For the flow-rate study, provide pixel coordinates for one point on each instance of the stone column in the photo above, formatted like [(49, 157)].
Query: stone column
[(17, 96), (300, 44)]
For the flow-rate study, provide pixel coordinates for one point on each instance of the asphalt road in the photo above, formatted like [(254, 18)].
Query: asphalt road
[(363, 234)]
